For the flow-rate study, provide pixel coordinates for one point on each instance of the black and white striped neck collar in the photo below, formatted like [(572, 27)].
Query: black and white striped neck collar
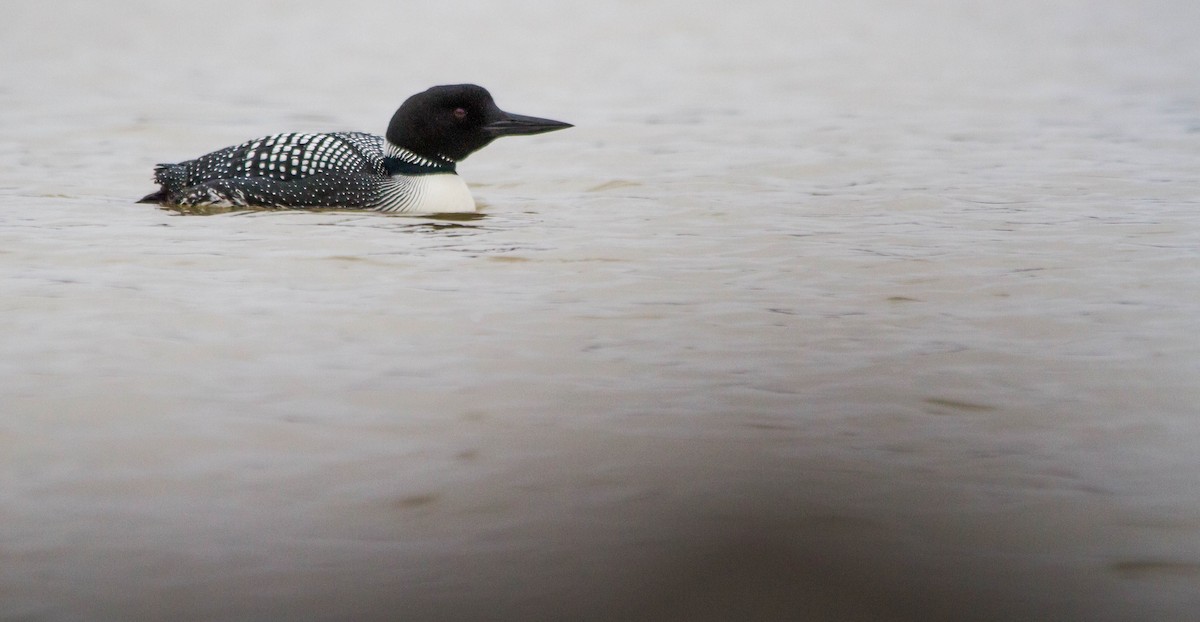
[(401, 161)]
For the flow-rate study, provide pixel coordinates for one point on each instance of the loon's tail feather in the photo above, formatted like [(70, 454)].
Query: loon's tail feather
[(162, 196), (171, 178)]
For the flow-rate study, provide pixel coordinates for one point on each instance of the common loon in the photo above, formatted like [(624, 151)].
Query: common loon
[(410, 170)]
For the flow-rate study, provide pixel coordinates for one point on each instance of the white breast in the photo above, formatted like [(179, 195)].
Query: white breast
[(440, 193)]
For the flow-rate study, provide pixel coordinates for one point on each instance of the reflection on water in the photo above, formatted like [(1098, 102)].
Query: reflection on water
[(822, 311), (213, 210)]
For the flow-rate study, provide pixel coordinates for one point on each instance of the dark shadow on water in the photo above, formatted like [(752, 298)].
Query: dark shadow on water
[(206, 210), (214, 210)]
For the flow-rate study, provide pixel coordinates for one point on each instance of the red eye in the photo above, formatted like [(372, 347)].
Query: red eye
[(460, 113)]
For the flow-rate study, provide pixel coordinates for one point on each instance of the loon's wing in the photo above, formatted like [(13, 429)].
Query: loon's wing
[(285, 157), (287, 170)]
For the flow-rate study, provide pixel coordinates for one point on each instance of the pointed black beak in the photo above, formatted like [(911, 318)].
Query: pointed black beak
[(521, 125)]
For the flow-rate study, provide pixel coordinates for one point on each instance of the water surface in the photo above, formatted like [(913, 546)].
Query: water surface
[(822, 311)]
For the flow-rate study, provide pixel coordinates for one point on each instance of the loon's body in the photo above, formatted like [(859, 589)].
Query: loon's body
[(411, 170)]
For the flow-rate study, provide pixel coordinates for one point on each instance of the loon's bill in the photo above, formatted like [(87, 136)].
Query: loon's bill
[(412, 169)]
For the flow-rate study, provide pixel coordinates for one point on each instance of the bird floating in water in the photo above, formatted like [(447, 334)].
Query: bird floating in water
[(410, 170)]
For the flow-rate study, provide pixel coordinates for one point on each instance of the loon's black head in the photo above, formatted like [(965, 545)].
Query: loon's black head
[(457, 120)]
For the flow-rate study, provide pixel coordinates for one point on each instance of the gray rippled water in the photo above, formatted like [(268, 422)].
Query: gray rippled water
[(823, 310)]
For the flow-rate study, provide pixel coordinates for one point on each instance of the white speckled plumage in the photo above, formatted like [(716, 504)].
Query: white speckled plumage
[(343, 169)]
